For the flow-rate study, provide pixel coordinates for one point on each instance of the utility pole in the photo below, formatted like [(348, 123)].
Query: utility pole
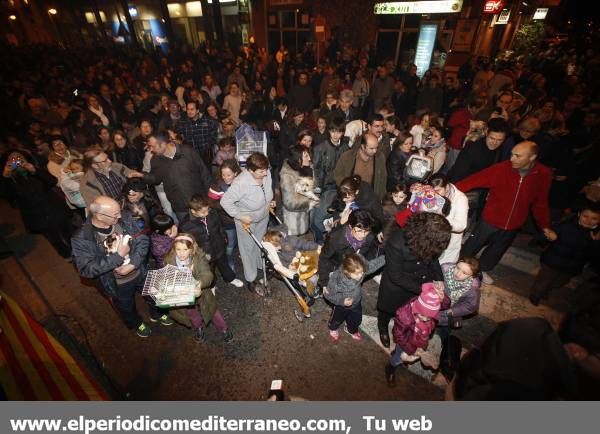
[(167, 20), (218, 20), (207, 19), (99, 19)]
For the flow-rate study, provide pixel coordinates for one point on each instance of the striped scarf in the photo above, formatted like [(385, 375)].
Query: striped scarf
[(456, 288)]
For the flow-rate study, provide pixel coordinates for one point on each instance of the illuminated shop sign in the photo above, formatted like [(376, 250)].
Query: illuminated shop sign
[(422, 7), (427, 35), (503, 17), (493, 6), (540, 14)]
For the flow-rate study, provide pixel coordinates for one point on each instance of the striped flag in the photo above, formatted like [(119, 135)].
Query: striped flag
[(34, 365)]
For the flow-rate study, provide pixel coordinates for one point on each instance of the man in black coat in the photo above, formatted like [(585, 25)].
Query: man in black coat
[(301, 95), (475, 157), (181, 170), (481, 154)]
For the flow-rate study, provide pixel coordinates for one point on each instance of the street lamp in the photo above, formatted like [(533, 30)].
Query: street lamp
[(51, 13), (12, 17)]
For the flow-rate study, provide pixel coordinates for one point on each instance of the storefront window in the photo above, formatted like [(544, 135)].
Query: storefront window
[(288, 19), (274, 40), (292, 28), (408, 48), (386, 45), (390, 21)]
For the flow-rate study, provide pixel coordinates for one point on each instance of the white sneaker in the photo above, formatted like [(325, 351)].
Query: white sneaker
[(237, 283), (486, 278), (377, 279)]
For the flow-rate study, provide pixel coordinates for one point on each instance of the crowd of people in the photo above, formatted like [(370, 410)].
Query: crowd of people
[(126, 161)]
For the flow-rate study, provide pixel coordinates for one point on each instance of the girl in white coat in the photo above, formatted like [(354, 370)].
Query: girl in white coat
[(457, 216)]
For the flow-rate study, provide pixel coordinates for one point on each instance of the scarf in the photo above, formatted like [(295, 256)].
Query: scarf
[(100, 113), (354, 243), (430, 147), (456, 288)]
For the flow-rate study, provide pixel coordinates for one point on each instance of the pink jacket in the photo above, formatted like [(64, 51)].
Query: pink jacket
[(406, 335)]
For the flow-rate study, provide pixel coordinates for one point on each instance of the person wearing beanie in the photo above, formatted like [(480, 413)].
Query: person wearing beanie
[(413, 325)]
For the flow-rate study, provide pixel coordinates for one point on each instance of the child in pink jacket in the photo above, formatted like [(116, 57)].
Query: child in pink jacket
[(414, 323)]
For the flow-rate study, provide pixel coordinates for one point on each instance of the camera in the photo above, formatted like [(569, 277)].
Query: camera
[(15, 164)]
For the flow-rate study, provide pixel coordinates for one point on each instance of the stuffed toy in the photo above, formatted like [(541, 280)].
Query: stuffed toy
[(425, 199), (306, 264), (303, 264)]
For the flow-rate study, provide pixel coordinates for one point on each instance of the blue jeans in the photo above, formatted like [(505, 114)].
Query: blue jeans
[(319, 213), (231, 245), (396, 360)]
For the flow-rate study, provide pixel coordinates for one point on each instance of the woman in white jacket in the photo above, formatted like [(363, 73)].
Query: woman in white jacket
[(457, 217)]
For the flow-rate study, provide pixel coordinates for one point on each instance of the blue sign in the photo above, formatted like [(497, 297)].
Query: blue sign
[(425, 46)]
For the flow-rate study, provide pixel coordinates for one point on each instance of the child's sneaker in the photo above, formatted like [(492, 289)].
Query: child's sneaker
[(227, 336), (165, 320), (143, 331), (356, 336), (334, 335), (237, 283)]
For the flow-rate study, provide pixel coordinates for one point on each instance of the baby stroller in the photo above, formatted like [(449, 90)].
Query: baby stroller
[(303, 299)]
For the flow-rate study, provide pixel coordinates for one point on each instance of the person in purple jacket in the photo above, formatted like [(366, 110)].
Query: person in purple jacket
[(463, 286), (164, 232)]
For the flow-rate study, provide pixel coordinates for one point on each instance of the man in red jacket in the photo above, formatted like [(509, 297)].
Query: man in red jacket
[(515, 187)]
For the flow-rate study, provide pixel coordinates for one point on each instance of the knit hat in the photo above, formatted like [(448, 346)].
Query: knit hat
[(428, 303)]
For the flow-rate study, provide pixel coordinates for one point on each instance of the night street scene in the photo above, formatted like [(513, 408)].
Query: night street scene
[(369, 201)]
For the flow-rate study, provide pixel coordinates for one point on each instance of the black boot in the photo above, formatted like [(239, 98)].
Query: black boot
[(390, 374), (385, 339)]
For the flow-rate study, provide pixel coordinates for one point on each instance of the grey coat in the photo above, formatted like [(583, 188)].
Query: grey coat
[(246, 197), (295, 205), (341, 286)]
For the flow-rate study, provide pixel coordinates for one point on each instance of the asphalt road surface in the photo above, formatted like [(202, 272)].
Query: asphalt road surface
[(269, 342)]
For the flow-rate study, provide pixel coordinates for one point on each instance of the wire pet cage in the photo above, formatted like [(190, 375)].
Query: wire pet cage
[(170, 287), (249, 141)]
